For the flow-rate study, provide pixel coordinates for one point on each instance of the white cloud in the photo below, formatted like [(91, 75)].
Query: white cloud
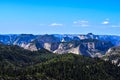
[(106, 21), (56, 24), (82, 23)]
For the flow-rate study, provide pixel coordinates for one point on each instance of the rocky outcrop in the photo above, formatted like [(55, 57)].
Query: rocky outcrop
[(31, 47), (88, 47), (113, 55)]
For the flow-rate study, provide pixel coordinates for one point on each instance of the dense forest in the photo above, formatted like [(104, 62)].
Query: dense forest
[(19, 64)]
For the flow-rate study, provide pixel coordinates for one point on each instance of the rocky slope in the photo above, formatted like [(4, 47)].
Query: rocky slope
[(113, 55), (88, 47)]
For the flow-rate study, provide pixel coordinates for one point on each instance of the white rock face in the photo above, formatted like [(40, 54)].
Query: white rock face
[(23, 45), (47, 46), (63, 40), (74, 50), (109, 50), (71, 50), (31, 47), (82, 37), (119, 65), (115, 61), (99, 55), (64, 48)]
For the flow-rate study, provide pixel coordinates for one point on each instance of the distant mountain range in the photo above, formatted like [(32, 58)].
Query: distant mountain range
[(88, 45)]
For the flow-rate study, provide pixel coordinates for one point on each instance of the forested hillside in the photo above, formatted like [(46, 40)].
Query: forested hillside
[(19, 64)]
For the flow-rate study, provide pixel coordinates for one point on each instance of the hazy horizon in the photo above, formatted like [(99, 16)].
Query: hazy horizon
[(59, 34)]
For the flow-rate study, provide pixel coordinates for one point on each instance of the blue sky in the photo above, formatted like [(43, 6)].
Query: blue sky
[(60, 16)]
